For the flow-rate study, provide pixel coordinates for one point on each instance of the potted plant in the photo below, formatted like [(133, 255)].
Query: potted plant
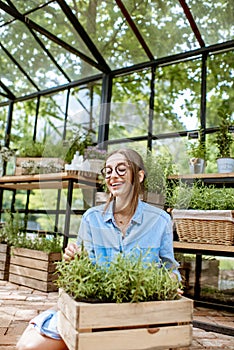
[(158, 168), (126, 300), (78, 142), (35, 157), (202, 214), (198, 155), (224, 141), (32, 256)]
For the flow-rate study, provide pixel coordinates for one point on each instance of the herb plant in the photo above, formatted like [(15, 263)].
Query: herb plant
[(197, 150), (126, 279), (201, 197), (158, 168), (14, 234), (35, 242), (11, 228), (224, 139)]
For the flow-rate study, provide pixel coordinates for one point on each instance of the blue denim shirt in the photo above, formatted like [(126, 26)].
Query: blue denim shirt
[(149, 232)]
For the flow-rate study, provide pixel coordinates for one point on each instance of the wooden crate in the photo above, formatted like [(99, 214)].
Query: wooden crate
[(127, 326), (4, 261), (34, 269)]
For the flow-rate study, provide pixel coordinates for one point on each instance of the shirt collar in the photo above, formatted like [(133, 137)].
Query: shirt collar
[(137, 217)]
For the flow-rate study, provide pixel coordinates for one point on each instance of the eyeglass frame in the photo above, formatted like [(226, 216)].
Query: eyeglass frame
[(115, 169)]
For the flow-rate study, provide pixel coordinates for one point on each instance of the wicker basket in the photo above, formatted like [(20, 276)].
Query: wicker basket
[(205, 226)]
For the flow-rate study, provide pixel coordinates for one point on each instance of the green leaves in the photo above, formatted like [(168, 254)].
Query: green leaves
[(14, 234), (126, 279), (200, 196)]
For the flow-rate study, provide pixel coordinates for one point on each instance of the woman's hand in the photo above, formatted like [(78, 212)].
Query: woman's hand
[(71, 250)]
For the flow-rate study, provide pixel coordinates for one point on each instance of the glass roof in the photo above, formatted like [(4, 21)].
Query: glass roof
[(46, 44)]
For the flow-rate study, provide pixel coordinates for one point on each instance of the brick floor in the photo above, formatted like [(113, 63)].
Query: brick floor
[(19, 304)]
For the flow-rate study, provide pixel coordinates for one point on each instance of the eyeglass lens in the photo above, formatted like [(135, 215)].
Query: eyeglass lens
[(120, 169)]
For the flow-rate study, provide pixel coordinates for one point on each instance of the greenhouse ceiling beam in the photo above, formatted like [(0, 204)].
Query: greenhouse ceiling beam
[(170, 135), (19, 66), (85, 37), (192, 22), (134, 28), (169, 60), (54, 89), (9, 94), (49, 35)]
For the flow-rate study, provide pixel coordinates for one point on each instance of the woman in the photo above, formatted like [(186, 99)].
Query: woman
[(124, 224)]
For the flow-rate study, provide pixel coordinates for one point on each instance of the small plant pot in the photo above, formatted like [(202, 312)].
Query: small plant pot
[(197, 165), (225, 165)]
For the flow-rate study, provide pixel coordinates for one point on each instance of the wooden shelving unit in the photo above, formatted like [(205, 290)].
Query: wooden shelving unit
[(56, 181)]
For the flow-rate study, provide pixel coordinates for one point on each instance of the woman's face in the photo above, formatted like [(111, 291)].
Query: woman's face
[(118, 175)]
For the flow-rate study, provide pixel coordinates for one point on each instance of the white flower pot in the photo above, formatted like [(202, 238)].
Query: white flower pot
[(225, 165)]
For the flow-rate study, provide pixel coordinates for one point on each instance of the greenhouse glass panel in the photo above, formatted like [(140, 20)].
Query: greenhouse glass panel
[(163, 25), (12, 77), (50, 126), (214, 18), (139, 146), (5, 17), (108, 29), (23, 122), (129, 115), (175, 147), (3, 118), (3, 97), (177, 97), (18, 41), (53, 19), (84, 109), (71, 65), (220, 92), (26, 6)]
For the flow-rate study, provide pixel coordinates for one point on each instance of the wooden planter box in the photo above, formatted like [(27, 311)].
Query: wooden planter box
[(34, 269), (127, 326), (4, 261)]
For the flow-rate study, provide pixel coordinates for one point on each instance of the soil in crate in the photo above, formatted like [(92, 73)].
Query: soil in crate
[(127, 326), (34, 269)]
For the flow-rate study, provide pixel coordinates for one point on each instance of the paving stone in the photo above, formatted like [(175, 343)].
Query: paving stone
[(18, 304)]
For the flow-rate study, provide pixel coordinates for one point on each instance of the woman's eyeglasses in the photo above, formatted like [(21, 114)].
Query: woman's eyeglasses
[(120, 169)]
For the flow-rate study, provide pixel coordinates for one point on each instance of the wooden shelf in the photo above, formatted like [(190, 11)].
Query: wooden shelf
[(217, 179), (49, 181), (213, 249), (203, 176)]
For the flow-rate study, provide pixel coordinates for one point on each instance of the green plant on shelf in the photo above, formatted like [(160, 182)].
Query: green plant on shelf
[(224, 138), (199, 196)]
